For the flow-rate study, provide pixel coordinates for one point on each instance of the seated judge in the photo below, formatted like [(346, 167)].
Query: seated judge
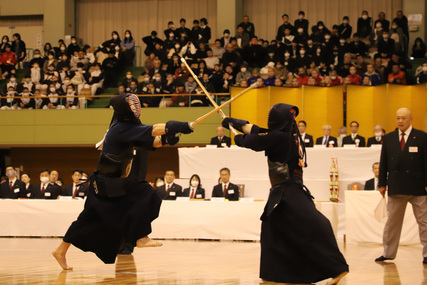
[(12, 188), (45, 190), (306, 138), (26, 178), (195, 191), (77, 189), (170, 190), (342, 133), (372, 184), (220, 140), (327, 140), (225, 188), (354, 138), (378, 137)]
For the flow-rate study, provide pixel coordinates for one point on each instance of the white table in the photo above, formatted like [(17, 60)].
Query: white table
[(362, 226), (250, 168), (177, 220)]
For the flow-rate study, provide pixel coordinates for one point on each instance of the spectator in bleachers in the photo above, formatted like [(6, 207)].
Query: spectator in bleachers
[(18, 47), (422, 76), (170, 42), (210, 60), (343, 49), (36, 59), (231, 57), (54, 100), (46, 50), (79, 79), (81, 58), (65, 72), (365, 81), (94, 78), (190, 85), (40, 98), (385, 46), (196, 33), (318, 79), (396, 33), (302, 76), (179, 101), (202, 50), (271, 77), (324, 70), (127, 46), (373, 77), (71, 102), (63, 60), (335, 78), (294, 82), (397, 76), (247, 26), (8, 60), (209, 83), (73, 47), (322, 30), (403, 63), (301, 22), (169, 86), (6, 103), (133, 87), (402, 22), (361, 65), (205, 30), (242, 38), (12, 83), (300, 36), (169, 30), (302, 59), (189, 52), (129, 78), (4, 42), (419, 49), (343, 69), (357, 47), (226, 83), (62, 50), (151, 41), (26, 82), (25, 100), (226, 39), (242, 75), (376, 34), (384, 23), (51, 60), (182, 29), (173, 64), (345, 30), (110, 69), (354, 138), (364, 25), (281, 30), (218, 49), (151, 101)]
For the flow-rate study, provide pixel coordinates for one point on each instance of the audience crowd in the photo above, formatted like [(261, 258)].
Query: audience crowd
[(373, 53)]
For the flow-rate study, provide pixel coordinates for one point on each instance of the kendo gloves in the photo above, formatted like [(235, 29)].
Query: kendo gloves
[(176, 127), (235, 123), (170, 139)]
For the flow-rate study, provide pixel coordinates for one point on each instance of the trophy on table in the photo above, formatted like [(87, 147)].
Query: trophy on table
[(334, 181)]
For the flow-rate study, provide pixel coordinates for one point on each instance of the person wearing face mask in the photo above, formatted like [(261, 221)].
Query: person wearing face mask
[(151, 42), (385, 46), (51, 60), (24, 101), (302, 59), (242, 75), (6, 103), (133, 87), (73, 47), (26, 83), (71, 102), (45, 190), (301, 22), (182, 29), (396, 33), (419, 48), (53, 99), (422, 76), (18, 47), (36, 59), (247, 26), (12, 83), (81, 58), (110, 69), (345, 30), (8, 61), (364, 25), (12, 188), (94, 78), (4, 42), (322, 28), (281, 30), (128, 49), (170, 30), (205, 30), (377, 138), (129, 78), (170, 42), (226, 39), (384, 23), (195, 190)]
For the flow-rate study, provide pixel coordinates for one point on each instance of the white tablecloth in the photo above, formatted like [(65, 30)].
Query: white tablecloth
[(178, 219), (362, 226), (250, 168)]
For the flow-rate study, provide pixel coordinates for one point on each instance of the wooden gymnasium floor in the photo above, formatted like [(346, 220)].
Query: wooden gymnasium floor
[(28, 261)]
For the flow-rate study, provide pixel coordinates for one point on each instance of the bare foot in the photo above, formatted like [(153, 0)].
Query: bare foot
[(60, 257), (337, 279), (147, 242)]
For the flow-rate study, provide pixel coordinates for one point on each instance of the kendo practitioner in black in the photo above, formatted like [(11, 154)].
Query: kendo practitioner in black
[(297, 241), (120, 208)]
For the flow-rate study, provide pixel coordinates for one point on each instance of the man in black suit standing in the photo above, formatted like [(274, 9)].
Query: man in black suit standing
[(306, 138), (45, 190), (403, 169), (220, 140), (170, 190), (372, 184), (77, 189), (327, 140), (354, 138), (12, 188), (226, 189), (378, 138)]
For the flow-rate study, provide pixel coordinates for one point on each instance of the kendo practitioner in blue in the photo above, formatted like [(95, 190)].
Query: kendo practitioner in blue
[(297, 241), (120, 208)]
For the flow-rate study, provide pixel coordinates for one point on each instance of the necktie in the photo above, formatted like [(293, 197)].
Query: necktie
[(43, 190), (192, 193), (225, 189), (167, 190), (402, 141), (10, 185), (75, 192), (326, 140)]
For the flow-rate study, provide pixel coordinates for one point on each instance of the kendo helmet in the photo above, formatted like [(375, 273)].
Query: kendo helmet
[(281, 116), (127, 107)]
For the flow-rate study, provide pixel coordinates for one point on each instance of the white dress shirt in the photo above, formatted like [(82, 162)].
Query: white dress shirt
[(407, 133)]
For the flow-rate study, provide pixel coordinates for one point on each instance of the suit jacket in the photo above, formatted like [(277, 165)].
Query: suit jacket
[(308, 141), (174, 191), (404, 172), (81, 192), (373, 140), (52, 191), (370, 184), (18, 190), (200, 193), (331, 138), (348, 140), (232, 192), (225, 139)]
